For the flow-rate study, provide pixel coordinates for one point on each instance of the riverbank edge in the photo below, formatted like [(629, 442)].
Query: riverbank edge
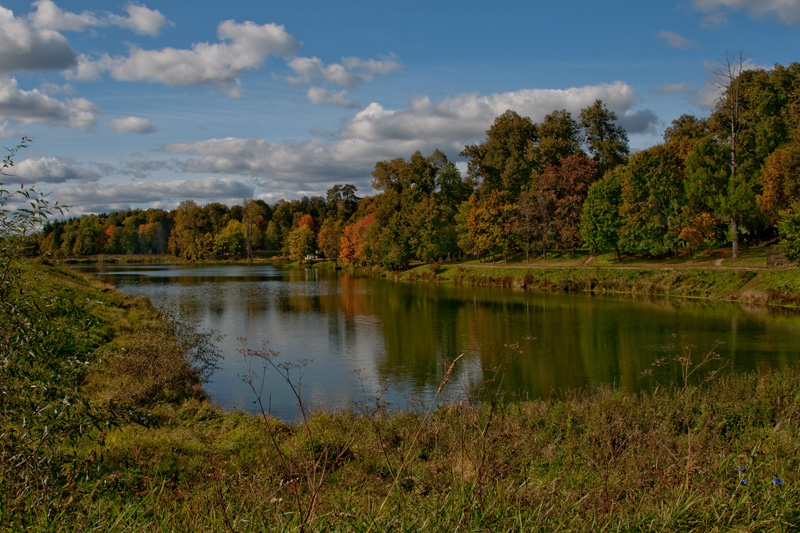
[(580, 462), (746, 285), (763, 287)]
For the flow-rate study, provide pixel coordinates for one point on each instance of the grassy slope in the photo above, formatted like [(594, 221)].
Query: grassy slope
[(601, 460), (746, 280)]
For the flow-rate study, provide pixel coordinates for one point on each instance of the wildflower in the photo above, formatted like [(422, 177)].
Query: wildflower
[(744, 482), (742, 469), (778, 481)]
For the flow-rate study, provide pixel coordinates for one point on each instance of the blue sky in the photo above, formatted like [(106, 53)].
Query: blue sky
[(133, 104)]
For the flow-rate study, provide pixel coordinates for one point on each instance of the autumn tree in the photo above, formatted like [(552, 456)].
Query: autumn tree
[(186, 239), (301, 242), (780, 182), (568, 181)]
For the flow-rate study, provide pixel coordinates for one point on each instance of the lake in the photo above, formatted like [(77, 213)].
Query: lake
[(365, 340)]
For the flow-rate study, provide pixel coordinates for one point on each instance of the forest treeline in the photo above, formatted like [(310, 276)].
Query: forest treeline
[(562, 184)]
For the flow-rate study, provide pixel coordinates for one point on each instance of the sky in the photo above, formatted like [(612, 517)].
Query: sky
[(133, 104)]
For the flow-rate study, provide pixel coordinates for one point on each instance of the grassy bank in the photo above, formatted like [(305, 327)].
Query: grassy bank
[(141, 449), (687, 279)]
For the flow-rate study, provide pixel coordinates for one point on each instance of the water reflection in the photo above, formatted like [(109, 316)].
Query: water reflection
[(540, 344)]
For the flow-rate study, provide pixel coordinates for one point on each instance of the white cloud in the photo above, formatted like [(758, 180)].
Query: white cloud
[(29, 107), (786, 11), (674, 40), (23, 47), (91, 198), (246, 47), (349, 73), (674, 88), (132, 125), (466, 117), (48, 15), (140, 19), (53, 170), (320, 95)]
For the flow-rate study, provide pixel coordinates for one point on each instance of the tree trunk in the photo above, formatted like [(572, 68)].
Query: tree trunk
[(735, 238)]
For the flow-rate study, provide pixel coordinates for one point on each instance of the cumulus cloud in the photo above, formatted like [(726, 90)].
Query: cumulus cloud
[(375, 133), (674, 40), (53, 170), (320, 95), (245, 47), (349, 73), (29, 107), (132, 125), (674, 88), (140, 19), (124, 195), (24, 47), (786, 11), (48, 15), (467, 116), (644, 121)]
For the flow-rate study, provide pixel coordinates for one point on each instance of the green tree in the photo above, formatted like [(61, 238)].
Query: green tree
[(601, 221), (560, 136), (504, 160), (789, 228), (607, 141), (230, 241), (710, 184), (652, 201)]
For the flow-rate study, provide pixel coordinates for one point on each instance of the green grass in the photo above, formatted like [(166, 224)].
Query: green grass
[(599, 460)]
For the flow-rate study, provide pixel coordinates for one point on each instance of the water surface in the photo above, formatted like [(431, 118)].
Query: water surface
[(363, 338)]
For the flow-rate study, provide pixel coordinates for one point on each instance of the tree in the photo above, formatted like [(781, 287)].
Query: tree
[(533, 222), (252, 224), (568, 182), (789, 228), (601, 221), (230, 241), (652, 201), (488, 224), (606, 140), (355, 246), (684, 132), (301, 243), (503, 161), (186, 239), (329, 239), (780, 182), (711, 186), (342, 201), (560, 136)]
